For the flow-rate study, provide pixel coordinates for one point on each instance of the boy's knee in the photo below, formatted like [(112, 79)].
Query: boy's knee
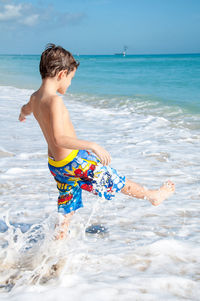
[(127, 187)]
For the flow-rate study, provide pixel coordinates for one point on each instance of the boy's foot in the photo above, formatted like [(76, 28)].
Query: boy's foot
[(165, 191)]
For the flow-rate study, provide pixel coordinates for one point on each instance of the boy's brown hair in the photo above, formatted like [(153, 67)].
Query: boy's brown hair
[(54, 59)]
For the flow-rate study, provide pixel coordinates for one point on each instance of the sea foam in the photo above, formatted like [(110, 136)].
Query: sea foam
[(149, 253)]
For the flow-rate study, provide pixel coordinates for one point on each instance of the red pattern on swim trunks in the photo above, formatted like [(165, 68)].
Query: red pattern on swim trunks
[(87, 187), (63, 199)]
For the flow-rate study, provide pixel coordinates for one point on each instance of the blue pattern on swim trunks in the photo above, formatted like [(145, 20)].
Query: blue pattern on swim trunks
[(84, 172)]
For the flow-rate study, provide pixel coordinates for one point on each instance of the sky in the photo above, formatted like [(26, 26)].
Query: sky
[(100, 26)]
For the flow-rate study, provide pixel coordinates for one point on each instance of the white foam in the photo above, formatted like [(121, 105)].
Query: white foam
[(8, 93), (4, 153), (26, 156), (150, 253)]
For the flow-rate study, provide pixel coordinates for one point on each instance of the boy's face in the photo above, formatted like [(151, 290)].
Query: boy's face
[(65, 80)]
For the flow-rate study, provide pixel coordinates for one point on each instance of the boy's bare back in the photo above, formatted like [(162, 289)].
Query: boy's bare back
[(53, 118), (57, 68)]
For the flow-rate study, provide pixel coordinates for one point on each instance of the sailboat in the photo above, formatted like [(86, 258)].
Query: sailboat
[(123, 53)]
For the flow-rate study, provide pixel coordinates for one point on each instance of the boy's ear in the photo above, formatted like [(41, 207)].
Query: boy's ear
[(62, 74)]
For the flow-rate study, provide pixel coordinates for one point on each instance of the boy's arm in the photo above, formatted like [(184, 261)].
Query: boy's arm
[(62, 140), (25, 110)]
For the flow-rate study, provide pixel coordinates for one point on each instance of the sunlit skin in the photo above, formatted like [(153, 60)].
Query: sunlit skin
[(53, 117)]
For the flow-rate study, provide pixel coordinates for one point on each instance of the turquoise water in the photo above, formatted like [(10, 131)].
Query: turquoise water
[(168, 79)]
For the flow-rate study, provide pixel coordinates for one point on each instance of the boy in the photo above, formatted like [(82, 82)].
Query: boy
[(75, 164)]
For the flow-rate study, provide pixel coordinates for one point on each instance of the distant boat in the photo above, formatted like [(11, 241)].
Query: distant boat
[(123, 53)]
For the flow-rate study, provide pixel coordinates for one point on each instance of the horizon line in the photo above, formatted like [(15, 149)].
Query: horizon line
[(129, 54)]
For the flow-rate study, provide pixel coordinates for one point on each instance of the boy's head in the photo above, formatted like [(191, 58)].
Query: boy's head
[(55, 59)]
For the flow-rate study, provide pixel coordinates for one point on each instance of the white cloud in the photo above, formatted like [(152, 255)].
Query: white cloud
[(10, 12), (30, 20), (20, 14)]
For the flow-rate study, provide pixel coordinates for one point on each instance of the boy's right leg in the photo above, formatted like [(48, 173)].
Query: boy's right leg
[(63, 228), (154, 196), (69, 201)]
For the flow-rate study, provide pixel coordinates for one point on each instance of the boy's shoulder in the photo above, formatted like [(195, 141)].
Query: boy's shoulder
[(49, 99), (55, 100)]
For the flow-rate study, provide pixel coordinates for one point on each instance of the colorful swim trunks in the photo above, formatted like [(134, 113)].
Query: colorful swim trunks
[(82, 170)]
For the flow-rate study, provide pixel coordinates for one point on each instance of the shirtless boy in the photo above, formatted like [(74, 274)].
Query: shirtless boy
[(75, 164)]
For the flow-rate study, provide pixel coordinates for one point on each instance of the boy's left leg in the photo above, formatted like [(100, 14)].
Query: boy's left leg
[(154, 196)]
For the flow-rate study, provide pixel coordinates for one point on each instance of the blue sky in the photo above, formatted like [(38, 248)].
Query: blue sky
[(100, 26)]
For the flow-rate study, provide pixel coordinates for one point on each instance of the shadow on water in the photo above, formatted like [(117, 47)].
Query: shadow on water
[(22, 226)]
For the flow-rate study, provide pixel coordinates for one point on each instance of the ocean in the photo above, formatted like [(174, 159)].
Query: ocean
[(145, 110)]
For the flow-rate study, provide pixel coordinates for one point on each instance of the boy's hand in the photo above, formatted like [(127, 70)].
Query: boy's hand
[(26, 110), (22, 117), (102, 154)]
